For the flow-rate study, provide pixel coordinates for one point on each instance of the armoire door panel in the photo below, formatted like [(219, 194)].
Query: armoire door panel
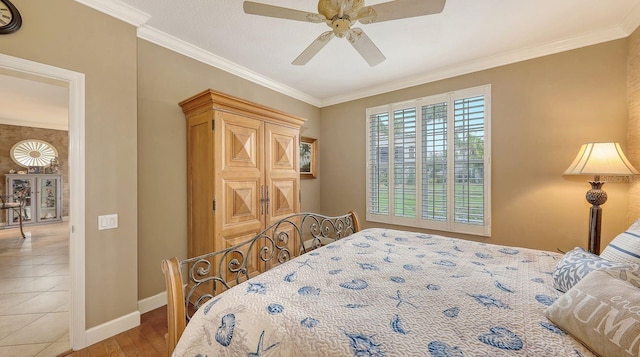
[(241, 202), (241, 141), (282, 197), (283, 152)]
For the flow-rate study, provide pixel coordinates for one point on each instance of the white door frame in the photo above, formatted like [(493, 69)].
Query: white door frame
[(76, 82)]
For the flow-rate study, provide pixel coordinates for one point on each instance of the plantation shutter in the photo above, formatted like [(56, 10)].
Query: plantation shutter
[(434, 162), (469, 160), (378, 164), (404, 162)]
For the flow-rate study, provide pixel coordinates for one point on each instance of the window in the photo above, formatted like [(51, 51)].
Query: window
[(439, 174)]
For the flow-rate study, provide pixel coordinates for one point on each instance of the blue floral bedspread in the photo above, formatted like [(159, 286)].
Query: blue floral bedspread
[(384, 292)]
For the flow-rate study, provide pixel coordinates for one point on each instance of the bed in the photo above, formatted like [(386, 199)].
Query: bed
[(373, 292)]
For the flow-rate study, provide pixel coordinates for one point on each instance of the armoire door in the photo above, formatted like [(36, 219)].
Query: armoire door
[(282, 177), (239, 181)]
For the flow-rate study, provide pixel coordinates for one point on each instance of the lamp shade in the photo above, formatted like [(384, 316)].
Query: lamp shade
[(601, 159)]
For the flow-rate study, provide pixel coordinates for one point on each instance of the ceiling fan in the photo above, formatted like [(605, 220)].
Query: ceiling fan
[(340, 15)]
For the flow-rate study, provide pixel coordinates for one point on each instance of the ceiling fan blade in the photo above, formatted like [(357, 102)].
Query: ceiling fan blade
[(313, 48), (255, 8), (367, 49), (399, 9)]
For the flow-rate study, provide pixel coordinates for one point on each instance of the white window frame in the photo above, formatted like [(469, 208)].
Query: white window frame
[(449, 225)]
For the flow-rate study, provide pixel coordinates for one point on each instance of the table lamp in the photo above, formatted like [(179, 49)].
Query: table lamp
[(599, 159)]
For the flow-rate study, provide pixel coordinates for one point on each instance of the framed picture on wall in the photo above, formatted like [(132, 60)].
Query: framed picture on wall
[(308, 154), (35, 170)]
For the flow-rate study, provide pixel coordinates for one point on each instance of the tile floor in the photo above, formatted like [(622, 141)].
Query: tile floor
[(34, 291)]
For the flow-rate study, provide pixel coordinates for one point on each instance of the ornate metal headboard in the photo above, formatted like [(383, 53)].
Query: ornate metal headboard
[(210, 274)]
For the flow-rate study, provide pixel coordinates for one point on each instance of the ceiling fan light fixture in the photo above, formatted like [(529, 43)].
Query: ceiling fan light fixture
[(340, 15), (341, 26), (340, 8)]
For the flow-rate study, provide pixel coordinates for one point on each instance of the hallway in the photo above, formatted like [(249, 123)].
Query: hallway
[(34, 291)]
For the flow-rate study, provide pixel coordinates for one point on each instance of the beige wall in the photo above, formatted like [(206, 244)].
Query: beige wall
[(634, 120), (542, 111), (164, 79), (66, 34)]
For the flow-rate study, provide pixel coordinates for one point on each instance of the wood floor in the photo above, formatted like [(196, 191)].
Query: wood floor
[(144, 340)]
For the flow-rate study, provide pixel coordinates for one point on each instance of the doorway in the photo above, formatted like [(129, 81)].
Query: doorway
[(76, 84)]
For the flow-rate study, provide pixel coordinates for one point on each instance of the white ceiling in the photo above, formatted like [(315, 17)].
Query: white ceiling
[(34, 102), (469, 35)]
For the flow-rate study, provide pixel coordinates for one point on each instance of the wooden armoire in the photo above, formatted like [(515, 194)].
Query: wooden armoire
[(243, 170)]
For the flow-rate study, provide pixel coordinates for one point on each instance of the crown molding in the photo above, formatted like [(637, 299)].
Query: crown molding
[(177, 45), (138, 18), (588, 39), (608, 34), (119, 10)]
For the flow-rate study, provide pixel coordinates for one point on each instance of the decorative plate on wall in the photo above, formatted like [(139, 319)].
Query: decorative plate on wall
[(33, 152)]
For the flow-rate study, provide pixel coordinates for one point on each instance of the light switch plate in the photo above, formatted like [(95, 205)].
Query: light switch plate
[(109, 221)]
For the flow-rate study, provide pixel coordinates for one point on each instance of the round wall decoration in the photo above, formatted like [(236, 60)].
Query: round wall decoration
[(10, 19), (33, 152)]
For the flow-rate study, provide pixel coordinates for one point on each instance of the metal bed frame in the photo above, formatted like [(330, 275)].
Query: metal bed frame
[(212, 273)]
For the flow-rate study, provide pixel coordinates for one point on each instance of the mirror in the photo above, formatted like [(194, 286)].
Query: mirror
[(33, 152)]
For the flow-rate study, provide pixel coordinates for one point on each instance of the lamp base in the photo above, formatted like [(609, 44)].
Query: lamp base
[(596, 196), (595, 220)]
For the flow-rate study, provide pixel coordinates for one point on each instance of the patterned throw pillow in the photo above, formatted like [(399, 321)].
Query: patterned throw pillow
[(576, 264), (625, 248), (602, 312)]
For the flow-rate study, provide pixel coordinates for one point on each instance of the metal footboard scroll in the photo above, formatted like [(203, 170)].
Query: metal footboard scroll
[(210, 274)]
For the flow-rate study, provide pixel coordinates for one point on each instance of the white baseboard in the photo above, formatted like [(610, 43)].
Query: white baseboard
[(112, 328), (152, 303), (126, 322)]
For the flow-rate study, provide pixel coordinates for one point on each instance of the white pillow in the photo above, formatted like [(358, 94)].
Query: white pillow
[(635, 226), (625, 248), (601, 311)]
